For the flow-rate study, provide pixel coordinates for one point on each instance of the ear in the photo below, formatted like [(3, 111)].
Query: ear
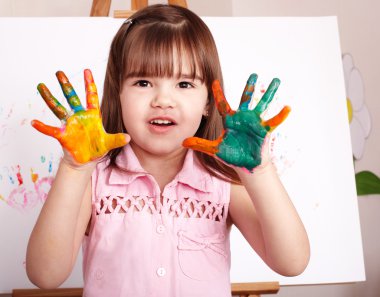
[(205, 112)]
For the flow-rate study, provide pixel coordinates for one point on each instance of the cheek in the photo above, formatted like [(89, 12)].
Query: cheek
[(126, 120), (194, 116), (130, 113)]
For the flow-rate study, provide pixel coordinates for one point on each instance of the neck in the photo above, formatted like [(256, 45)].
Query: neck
[(162, 167)]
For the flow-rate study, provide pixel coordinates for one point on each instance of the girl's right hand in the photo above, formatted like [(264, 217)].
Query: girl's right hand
[(82, 134), (244, 142)]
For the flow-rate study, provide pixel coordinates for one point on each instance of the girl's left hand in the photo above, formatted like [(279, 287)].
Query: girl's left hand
[(243, 142), (82, 134)]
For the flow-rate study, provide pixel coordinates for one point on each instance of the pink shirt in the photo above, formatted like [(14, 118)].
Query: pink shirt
[(146, 243)]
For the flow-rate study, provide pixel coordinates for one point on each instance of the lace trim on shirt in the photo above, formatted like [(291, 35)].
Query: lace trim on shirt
[(184, 208)]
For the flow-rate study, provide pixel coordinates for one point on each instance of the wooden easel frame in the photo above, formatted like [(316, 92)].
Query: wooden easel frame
[(102, 8), (239, 289)]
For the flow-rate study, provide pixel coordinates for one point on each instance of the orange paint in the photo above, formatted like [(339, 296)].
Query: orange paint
[(278, 119), (34, 176), (82, 134)]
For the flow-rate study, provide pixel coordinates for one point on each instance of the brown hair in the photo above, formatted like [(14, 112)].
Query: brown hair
[(144, 46)]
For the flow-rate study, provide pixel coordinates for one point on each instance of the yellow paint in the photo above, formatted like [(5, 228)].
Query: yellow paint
[(350, 110)]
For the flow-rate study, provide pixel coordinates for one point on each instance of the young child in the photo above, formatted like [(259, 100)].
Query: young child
[(154, 215)]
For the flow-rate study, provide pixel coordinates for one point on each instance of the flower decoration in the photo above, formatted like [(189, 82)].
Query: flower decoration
[(360, 124), (359, 117)]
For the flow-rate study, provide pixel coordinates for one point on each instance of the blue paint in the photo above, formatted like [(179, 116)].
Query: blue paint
[(51, 164)]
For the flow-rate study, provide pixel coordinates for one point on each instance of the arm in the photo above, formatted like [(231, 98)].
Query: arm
[(265, 215), (56, 238), (261, 208)]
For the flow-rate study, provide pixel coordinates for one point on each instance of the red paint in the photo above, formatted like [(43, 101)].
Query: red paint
[(19, 177)]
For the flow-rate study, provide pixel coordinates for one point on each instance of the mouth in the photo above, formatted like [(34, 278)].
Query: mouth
[(162, 122)]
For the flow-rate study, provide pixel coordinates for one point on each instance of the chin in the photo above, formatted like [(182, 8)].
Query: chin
[(159, 148)]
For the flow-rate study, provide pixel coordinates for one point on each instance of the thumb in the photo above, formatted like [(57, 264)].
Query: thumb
[(117, 140)]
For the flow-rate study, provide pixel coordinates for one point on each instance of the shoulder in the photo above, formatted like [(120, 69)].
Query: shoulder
[(195, 174), (105, 169)]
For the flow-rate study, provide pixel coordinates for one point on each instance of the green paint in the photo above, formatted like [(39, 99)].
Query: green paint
[(244, 138), (245, 131), (56, 107), (268, 96), (245, 134)]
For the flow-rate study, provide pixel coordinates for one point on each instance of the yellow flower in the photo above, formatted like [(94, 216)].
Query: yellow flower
[(358, 114)]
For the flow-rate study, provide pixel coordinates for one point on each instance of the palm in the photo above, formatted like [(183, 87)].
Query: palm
[(82, 133), (243, 140), (245, 132)]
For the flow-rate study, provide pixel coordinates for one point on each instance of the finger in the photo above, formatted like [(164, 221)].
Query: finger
[(268, 96), (69, 92), (54, 105), (277, 119), (248, 92), (117, 140), (91, 91), (221, 102), (47, 130), (209, 147)]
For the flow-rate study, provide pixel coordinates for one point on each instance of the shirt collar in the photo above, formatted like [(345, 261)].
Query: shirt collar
[(192, 173)]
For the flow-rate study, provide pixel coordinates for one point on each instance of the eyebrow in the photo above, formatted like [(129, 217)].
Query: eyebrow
[(189, 76), (179, 76)]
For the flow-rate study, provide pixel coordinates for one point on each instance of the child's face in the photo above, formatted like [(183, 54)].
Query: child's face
[(160, 112)]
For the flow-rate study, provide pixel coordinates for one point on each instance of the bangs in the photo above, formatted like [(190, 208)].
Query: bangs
[(161, 51)]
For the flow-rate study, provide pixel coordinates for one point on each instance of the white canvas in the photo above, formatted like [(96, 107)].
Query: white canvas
[(311, 149)]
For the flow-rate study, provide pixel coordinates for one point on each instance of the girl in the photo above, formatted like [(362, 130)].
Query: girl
[(153, 215)]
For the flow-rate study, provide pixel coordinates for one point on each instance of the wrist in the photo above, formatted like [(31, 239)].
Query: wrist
[(77, 167), (263, 168)]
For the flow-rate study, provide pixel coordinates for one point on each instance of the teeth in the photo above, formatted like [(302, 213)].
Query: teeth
[(161, 122)]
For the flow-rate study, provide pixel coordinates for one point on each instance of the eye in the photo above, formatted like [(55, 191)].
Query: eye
[(185, 85), (142, 83)]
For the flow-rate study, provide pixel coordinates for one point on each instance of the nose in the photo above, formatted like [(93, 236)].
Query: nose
[(163, 98)]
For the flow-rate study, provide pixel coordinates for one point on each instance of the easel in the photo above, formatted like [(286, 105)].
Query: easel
[(102, 8), (241, 290)]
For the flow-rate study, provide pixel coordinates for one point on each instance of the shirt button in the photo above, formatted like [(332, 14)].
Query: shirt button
[(161, 271), (99, 274), (160, 229)]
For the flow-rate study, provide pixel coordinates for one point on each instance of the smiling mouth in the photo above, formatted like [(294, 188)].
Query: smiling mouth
[(161, 123)]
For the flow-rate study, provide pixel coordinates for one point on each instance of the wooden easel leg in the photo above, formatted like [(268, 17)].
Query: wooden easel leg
[(100, 8), (254, 289), (138, 4), (178, 2)]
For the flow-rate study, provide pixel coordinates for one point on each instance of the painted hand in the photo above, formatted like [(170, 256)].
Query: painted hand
[(241, 143), (82, 133)]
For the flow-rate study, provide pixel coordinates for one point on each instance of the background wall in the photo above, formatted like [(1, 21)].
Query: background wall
[(358, 23)]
